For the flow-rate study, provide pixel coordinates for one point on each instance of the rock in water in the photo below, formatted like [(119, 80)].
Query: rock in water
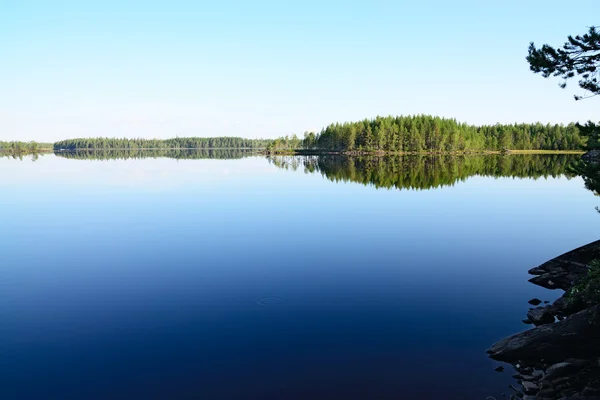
[(575, 336), (563, 271), (499, 369), (535, 302), (541, 315), (536, 271)]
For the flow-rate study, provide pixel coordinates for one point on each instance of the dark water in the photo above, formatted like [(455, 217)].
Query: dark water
[(249, 278)]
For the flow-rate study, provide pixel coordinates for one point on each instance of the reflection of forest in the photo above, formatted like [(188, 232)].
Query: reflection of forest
[(427, 171), (180, 154), (590, 172)]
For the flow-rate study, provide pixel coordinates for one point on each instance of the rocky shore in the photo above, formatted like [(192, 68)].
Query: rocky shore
[(560, 357)]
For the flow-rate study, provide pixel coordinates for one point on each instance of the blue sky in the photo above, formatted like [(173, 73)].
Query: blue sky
[(270, 68)]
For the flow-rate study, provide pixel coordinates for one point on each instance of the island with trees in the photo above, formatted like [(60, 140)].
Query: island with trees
[(424, 133)]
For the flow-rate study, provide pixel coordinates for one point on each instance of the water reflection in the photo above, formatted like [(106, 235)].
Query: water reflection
[(180, 154), (21, 156), (237, 279), (428, 171)]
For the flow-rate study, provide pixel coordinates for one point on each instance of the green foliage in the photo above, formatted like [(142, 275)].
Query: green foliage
[(592, 132), (580, 55), (287, 143), (590, 172), (426, 171), (176, 143), (586, 292), (423, 133), (24, 147)]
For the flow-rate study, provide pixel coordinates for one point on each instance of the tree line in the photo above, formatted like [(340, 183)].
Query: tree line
[(423, 133), (17, 147), (175, 143), (392, 134)]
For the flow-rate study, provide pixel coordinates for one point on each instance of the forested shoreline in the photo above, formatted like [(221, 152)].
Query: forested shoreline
[(17, 147), (423, 133), (224, 142), (392, 134)]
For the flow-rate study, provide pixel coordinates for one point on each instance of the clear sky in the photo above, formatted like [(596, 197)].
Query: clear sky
[(269, 68)]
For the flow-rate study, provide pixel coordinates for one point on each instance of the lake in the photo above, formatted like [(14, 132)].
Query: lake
[(220, 276)]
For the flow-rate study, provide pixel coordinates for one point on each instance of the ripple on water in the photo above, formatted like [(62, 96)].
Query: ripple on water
[(269, 301)]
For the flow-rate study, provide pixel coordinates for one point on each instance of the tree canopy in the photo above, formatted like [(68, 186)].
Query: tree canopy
[(580, 56), (424, 133), (175, 143), (24, 147)]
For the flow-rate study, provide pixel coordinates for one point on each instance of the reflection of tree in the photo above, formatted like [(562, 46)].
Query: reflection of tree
[(590, 172), (20, 156), (425, 172), (180, 154)]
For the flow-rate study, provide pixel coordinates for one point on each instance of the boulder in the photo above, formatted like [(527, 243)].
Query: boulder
[(536, 271), (576, 336), (563, 307), (530, 387), (560, 369), (563, 271), (558, 280), (541, 315), (538, 374)]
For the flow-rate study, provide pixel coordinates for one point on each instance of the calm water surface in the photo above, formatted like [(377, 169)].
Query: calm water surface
[(241, 279)]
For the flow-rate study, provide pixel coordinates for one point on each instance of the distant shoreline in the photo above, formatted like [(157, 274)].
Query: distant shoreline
[(298, 152)]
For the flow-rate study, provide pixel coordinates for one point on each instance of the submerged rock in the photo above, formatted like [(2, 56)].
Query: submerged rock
[(499, 369)]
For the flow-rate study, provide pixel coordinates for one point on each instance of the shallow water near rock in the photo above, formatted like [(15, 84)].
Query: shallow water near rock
[(250, 278)]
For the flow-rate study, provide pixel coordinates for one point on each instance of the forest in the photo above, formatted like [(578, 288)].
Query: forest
[(24, 147), (175, 143), (399, 134), (423, 133), (427, 171)]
